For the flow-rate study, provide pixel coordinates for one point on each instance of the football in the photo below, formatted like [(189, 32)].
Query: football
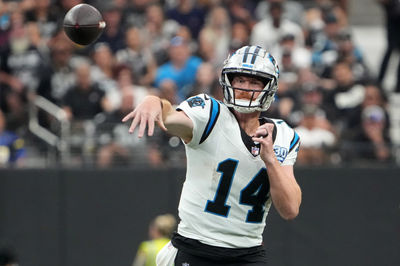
[(83, 24)]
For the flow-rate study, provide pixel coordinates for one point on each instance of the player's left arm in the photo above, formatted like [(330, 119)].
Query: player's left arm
[(284, 189)]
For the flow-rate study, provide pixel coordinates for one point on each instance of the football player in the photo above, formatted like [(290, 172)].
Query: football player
[(238, 164)]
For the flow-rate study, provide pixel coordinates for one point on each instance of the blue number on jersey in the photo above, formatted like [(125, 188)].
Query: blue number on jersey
[(254, 194)]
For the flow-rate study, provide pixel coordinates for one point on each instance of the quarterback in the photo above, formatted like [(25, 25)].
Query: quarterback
[(238, 164)]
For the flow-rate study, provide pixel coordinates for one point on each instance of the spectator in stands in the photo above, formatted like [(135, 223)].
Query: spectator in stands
[(138, 57), (242, 11), (215, 36), (158, 31), (321, 21), (307, 92), (116, 146), (85, 99), (295, 83), (292, 10), (20, 62), (333, 7), (366, 135), (324, 45), (16, 109), (288, 70), (330, 39), (206, 82), (168, 90), (186, 35), (189, 14), (103, 73), (348, 52), (11, 145), (276, 26), (45, 19), (240, 36), (59, 75), (181, 68), (373, 95), (126, 82), (316, 140), (113, 34), (160, 232), (136, 12), (345, 93), (369, 142), (21, 58), (300, 57)]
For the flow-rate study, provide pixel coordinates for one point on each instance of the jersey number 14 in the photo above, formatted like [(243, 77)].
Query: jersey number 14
[(255, 194)]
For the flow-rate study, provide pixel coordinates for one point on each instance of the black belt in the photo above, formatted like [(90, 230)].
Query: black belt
[(196, 248)]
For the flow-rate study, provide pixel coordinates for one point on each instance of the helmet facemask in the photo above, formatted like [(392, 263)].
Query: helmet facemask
[(260, 103), (262, 67)]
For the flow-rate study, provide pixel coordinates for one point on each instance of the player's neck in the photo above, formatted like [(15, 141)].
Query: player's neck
[(248, 121)]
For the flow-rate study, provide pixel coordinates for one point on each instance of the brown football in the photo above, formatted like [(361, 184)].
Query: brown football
[(83, 24)]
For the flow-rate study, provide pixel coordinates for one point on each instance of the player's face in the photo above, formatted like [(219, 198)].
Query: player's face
[(251, 87)]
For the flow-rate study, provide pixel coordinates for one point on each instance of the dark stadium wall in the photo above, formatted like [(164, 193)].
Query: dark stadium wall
[(349, 216)]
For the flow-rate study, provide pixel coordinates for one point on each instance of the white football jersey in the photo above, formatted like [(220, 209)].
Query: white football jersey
[(225, 197)]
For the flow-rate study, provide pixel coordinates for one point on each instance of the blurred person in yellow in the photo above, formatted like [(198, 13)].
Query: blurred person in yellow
[(160, 231)]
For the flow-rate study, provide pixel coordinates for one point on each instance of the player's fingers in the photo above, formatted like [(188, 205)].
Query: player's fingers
[(128, 116), (142, 126), (270, 129), (150, 125), (258, 139), (134, 123), (261, 132)]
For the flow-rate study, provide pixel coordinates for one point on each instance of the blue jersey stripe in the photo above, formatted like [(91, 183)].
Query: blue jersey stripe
[(294, 141), (214, 113)]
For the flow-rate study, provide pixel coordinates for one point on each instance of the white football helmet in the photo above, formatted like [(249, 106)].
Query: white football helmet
[(255, 62)]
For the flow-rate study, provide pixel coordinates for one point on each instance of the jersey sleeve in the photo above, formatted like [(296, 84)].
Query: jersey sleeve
[(204, 111), (294, 147)]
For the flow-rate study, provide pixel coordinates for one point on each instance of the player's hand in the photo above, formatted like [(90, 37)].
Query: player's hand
[(264, 137), (145, 115)]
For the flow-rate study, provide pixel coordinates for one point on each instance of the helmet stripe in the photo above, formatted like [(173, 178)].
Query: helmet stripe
[(255, 55), (246, 52)]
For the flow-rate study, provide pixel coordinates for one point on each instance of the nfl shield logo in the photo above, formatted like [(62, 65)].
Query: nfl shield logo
[(255, 150)]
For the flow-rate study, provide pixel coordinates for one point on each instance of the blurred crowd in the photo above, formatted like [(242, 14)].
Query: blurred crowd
[(175, 49)]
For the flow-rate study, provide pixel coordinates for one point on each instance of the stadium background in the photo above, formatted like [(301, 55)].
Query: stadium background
[(59, 207)]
